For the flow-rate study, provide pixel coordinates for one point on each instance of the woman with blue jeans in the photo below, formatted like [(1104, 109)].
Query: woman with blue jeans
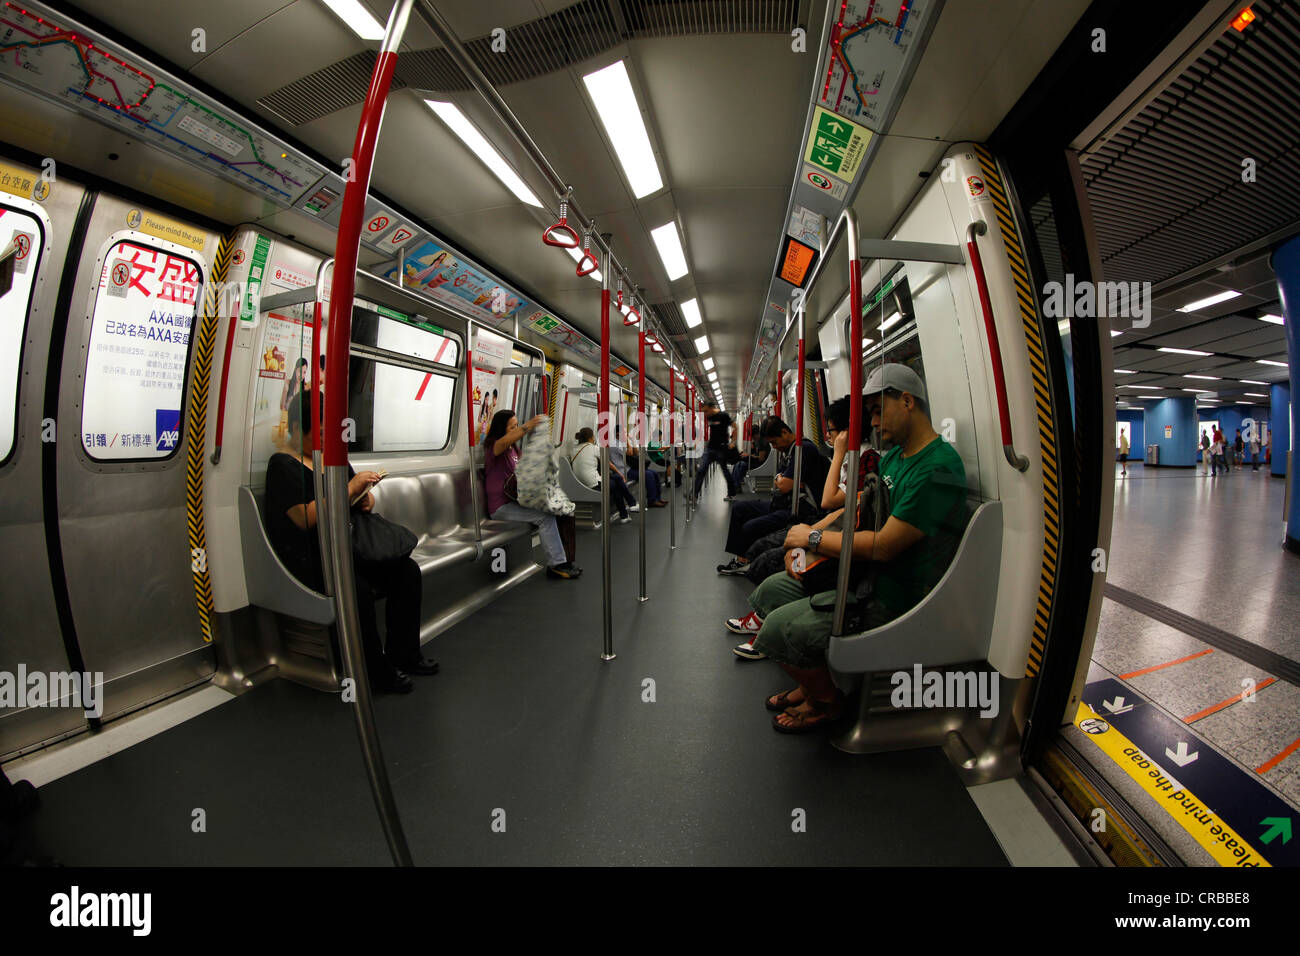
[(499, 459)]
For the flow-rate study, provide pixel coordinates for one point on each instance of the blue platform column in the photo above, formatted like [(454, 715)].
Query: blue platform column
[(1171, 424), (1286, 266), (1279, 417)]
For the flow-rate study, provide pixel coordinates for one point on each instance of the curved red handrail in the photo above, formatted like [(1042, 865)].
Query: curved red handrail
[(1019, 462)]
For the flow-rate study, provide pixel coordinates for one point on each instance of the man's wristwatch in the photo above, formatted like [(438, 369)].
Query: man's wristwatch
[(814, 541)]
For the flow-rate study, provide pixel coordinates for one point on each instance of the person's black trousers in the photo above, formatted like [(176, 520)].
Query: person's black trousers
[(712, 455), (750, 520), (398, 581)]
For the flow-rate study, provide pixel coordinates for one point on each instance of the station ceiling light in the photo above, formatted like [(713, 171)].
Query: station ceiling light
[(1246, 381), (486, 153), (611, 93), (357, 18), (1274, 319), (1196, 390), (1125, 371), (1210, 300), (708, 364), (670, 249), (1208, 378), (1154, 398), (1271, 362), (1146, 387), (1165, 348), (691, 312), (1256, 394), (702, 344)]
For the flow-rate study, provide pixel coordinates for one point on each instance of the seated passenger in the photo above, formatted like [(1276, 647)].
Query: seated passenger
[(751, 520), (586, 467), (499, 459), (837, 426), (291, 526), (926, 487), (766, 556), (618, 465), (654, 491), (756, 455)]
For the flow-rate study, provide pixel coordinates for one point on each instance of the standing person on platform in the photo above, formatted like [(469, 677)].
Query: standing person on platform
[(1123, 451), (1238, 450), (1254, 450), (721, 434), (1205, 451)]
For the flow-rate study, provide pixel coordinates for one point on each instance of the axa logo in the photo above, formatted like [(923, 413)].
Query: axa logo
[(167, 428)]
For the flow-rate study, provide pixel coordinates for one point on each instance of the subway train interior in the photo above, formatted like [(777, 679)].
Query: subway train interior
[(273, 268)]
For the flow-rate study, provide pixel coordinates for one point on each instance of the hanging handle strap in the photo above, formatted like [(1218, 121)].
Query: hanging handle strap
[(588, 263), (561, 234)]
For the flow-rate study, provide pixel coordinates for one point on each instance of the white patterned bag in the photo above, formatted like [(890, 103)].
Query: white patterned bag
[(537, 474)]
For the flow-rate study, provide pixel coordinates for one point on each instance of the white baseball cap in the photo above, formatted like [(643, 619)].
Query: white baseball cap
[(897, 376)]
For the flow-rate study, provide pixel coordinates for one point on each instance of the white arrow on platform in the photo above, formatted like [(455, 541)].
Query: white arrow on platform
[(1182, 757), (1117, 706)]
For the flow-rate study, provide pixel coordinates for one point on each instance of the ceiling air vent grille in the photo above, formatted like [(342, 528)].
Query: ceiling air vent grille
[(1166, 189), (663, 18)]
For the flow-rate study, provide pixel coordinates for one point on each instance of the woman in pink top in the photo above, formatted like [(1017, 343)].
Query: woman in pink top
[(499, 459)]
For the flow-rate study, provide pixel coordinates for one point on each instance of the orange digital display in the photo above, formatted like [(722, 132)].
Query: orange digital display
[(796, 260)]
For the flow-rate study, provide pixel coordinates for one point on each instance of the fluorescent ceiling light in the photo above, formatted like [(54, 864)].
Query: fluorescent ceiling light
[(1208, 378), (484, 151), (1154, 398), (1183, 351), (1257, 394), (1271, 362), (866, 342), (1125, 371), (691, 312), (713, 376), (1275, 319), (1146, 387), (1245, 403), (576, 255), (1113, 333), (670, 249), (611, 93), (702, 344), (1246, 381), (1212, 300), (893, 319), (358, 18), (708, 364), (1196, 390)]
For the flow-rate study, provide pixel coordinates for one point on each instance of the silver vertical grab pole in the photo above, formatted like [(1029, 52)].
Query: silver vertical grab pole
[(642, 455), (798, 422), (469, 416), (605, 582), (849, 219), (672, 472)]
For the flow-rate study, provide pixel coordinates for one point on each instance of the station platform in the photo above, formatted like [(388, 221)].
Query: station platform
[(1198, 656)]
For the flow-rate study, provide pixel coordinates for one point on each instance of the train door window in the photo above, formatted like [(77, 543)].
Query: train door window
[(283, 371), (138, 353), (25, 231)]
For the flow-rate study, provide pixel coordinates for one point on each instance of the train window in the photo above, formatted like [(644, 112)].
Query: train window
[(139, 349), (401, 382), (26, 230), (397, 408)]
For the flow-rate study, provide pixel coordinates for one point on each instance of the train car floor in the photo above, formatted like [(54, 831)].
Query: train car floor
[(529, 749)]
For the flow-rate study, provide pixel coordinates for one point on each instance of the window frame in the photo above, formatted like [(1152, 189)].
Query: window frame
[(22, 207)]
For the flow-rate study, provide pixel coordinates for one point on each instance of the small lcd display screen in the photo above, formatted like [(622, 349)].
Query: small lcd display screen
[(796, 262)]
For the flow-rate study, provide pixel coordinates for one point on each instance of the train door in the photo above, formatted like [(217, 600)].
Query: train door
[(121, 485), (38, 220)]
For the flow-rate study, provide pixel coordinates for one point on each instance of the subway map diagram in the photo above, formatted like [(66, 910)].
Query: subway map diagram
[(81, 72), (870, 45)]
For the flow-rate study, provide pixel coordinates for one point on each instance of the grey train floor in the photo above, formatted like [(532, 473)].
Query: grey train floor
[(525, 718)]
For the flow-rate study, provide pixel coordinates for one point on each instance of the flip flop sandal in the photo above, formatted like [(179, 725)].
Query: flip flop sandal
[(780, 702), (824, 714)]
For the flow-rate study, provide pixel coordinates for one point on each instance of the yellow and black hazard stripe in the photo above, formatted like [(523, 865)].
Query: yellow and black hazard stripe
[(813, 409), (1043, 403), (197, 434), (555, 395)]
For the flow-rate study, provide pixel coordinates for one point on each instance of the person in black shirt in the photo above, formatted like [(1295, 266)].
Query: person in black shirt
[(291, 526), (751, 520), (721, 435)]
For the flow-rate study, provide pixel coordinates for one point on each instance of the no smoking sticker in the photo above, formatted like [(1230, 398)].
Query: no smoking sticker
[(377, 225), (823, 183), (119, 278)]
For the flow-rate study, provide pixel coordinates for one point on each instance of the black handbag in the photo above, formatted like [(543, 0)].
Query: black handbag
[(376, 539)]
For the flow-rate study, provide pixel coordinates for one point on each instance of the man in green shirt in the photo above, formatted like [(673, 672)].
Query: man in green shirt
[(926, 485)]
